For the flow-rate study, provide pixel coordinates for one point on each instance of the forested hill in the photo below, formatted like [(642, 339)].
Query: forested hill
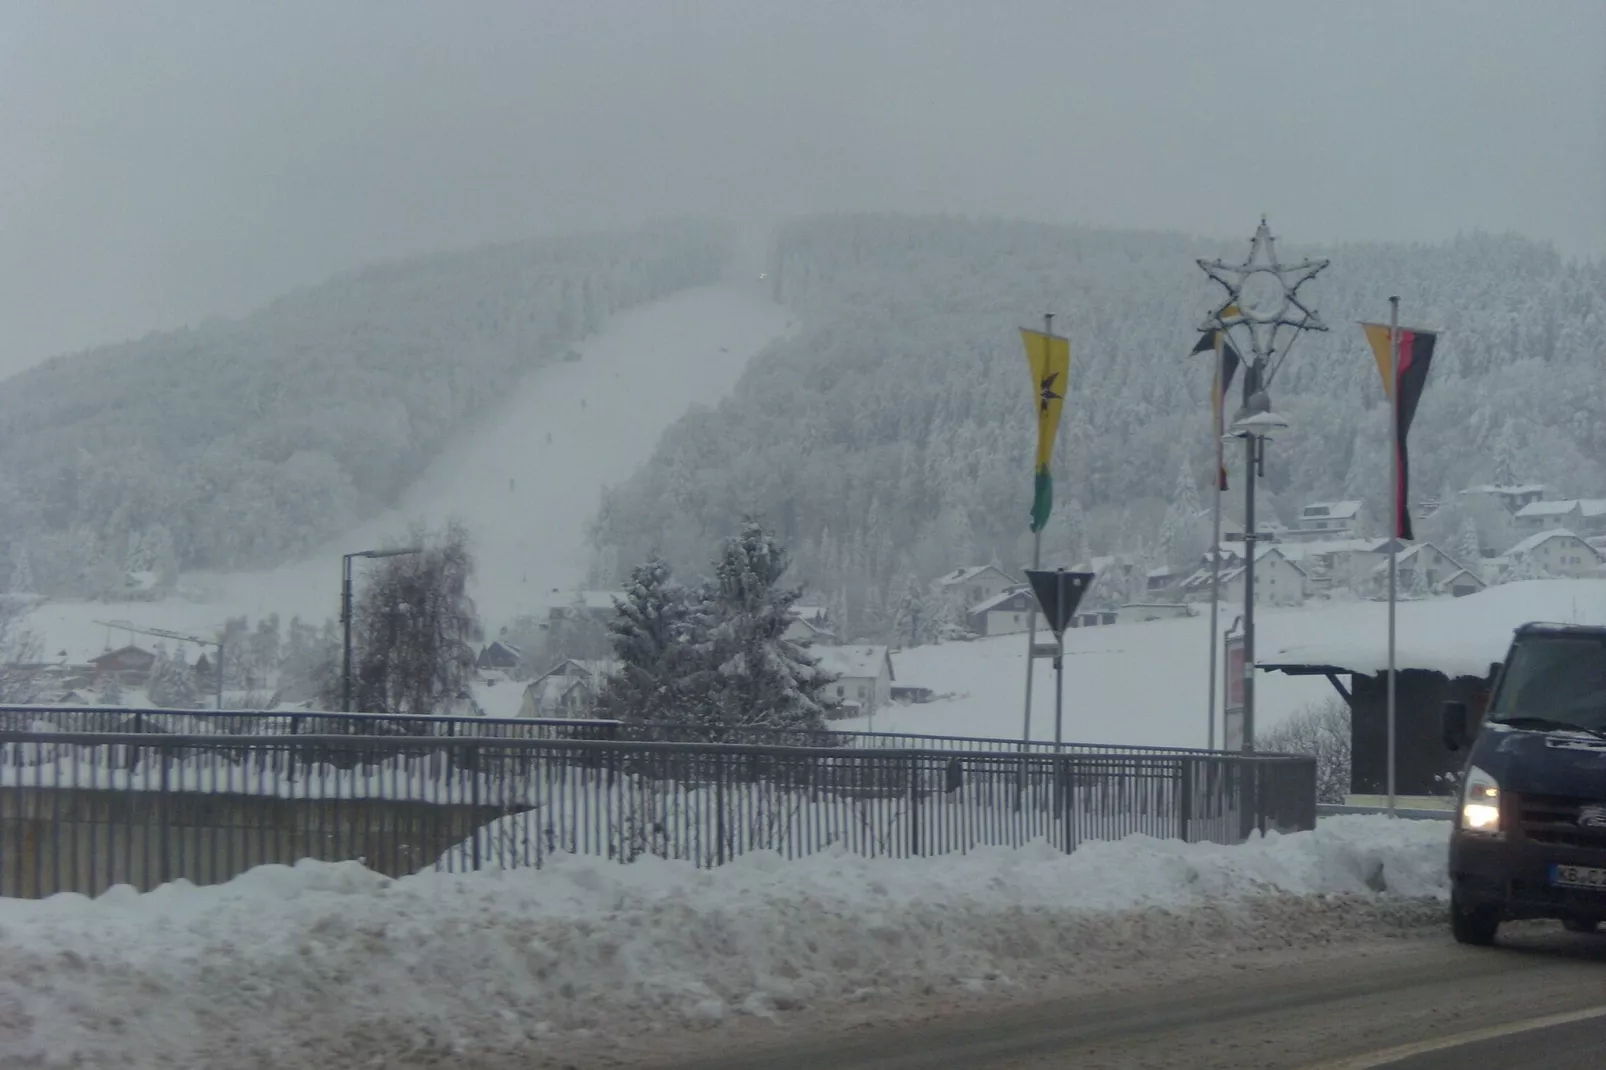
[(241, 443), (891, 437)]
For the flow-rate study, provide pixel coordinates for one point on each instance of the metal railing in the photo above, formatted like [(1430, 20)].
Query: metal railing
[(83, 811), (312, 722)]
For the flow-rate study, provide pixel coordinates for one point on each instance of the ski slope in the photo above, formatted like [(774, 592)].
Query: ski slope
[(526, 480)]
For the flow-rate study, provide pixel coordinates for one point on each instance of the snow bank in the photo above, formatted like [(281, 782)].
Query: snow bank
[(332, 965)]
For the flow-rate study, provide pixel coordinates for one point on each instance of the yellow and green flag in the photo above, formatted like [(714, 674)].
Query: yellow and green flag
[(1049, 356)]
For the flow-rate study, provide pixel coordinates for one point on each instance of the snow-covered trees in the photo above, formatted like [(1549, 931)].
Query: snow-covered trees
[(749, 672), (906, 389), (172, 683), (415, 626), (913, 624), (652, 636), (718, 657)]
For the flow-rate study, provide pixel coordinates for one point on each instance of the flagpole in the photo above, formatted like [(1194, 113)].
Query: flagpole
[(1031, 612), (1394, 532), (1215, 536)]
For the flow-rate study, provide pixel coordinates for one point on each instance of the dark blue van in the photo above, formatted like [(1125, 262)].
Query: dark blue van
[(1530, 832)]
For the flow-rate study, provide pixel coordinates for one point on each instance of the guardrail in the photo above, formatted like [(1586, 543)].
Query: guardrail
[(82, 811), (78, 719)]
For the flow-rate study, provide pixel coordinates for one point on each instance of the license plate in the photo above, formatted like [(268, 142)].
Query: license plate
[(1578, 877)]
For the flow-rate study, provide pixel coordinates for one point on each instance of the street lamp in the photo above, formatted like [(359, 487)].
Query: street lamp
[(345, 613), (1254, 423)]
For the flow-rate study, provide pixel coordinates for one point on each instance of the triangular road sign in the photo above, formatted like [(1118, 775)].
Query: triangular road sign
[(1059, 593)]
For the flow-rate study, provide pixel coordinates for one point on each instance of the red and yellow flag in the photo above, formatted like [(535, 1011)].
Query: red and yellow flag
[(1403, 385)]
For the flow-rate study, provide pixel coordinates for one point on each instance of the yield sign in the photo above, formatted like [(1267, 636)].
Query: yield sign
[(1058, 594)]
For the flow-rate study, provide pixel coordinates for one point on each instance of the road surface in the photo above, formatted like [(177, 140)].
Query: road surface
[(1414, 1004)]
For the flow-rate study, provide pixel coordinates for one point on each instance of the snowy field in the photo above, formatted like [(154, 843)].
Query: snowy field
[(1145, 684), (526, 481), (328, 965)]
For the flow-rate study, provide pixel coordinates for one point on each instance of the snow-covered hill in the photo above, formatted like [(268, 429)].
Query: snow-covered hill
[(526, 480)]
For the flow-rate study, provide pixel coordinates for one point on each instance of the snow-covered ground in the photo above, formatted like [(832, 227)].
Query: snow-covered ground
[(1146, 684), (526, 480), (331, 965)]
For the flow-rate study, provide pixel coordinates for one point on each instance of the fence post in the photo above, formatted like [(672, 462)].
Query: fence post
[(719, 808), (1185, 803), (163, 758), (914, 807), (474, 816), (1066, 803)]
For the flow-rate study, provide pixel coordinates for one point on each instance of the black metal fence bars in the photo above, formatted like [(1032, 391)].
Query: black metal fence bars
[(84, 811)]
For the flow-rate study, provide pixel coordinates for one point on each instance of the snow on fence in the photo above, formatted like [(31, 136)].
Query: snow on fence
[(83, 811)]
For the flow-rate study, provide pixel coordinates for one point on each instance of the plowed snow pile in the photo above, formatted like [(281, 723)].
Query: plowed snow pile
[(330, 965)]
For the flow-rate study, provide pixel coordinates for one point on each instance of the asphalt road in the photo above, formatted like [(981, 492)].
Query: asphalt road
[(1537, 1001)]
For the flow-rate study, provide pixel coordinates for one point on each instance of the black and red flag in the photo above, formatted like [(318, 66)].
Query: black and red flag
[(1404, 388), (1227, 361)]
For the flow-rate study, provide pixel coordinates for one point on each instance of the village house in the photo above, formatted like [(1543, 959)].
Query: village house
[(970, 586), (1278, 581), (1338, 563), (1330, 520), (130, 664), (864, 678), (808, 625), (1423, 567), (1583, 516), (569, 689), (1510, 498), (1557, 552), (1002, 614), (499, 655)]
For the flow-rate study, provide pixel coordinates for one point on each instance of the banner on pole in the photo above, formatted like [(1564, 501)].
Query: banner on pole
[(1049, 356), (1407, 381)]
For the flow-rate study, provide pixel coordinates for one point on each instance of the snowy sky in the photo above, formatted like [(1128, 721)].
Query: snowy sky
[(170, 160)]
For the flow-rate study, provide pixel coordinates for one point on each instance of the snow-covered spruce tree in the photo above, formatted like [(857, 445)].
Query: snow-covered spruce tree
[(912, 622), (650, 634), (172, 682), (415, 628), (745, 673)]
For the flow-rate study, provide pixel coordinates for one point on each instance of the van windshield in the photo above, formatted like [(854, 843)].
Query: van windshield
[(1554, 678)]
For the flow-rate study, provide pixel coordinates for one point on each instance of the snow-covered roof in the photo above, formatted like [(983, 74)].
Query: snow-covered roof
[(858, 662), (1512, 489), (1539, 538), (997, 600), (1162, 572), (1555, 508), (1299, 551), (1407, 553), (813, 627), (1260, 556), (1456, 636), (965, 575), (808, 613), (1592, 507), (1331, 510)]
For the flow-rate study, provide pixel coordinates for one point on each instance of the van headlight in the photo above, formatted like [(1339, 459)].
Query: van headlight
[(1480, 802)]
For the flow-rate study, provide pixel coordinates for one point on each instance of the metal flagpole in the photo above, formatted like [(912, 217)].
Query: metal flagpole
[(1394, 510), (1215, 538), (1031, 612)]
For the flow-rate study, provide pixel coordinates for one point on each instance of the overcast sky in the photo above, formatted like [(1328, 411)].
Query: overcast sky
[(164, 162)]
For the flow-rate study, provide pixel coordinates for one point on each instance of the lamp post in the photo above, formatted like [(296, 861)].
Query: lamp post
[(345, 613), (1263, 303), (1254, 424)]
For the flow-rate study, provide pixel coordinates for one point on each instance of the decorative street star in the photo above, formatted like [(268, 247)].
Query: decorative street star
[(1263, 294), (1046, 391)]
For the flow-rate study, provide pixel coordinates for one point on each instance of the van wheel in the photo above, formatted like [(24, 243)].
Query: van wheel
[(1473, 924), (1578, 925)]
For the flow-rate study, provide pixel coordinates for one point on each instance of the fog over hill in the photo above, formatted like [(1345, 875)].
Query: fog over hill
[(248, 442), (891, 437)]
